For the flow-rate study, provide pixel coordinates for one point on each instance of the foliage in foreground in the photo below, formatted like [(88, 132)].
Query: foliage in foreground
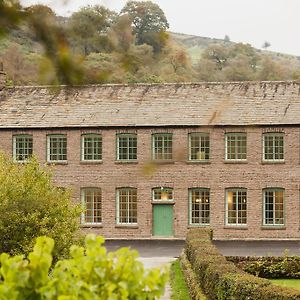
[(221, 279), (178, 284), (31, 206), (90, 273)]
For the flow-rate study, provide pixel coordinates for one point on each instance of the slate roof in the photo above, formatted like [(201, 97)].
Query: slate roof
[(201, 104)]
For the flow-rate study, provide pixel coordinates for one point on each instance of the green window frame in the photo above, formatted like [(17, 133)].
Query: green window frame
[(273, 147), (91, 199), (162, 194), (126, 206), (162, 146), (57, 148), (91, 147), (236, 146), (126, 146), (199, 146), (22, 147), (236, 206), (273, 207), (199, 206)]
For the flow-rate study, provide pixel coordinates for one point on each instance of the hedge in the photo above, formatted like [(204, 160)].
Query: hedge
[(220, 279), (270, 266)]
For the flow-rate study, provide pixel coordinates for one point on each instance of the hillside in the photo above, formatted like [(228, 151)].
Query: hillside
[(196, 44)]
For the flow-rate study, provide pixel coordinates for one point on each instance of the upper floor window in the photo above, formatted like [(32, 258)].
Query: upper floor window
[(57, 148), (236, 146), (236, 206), (126, 146), (273, 146), (162, 146), (198, 146), (91, 201), (22, 147), (91, 147), (162, 194), (126, 206), (199, 208), (273, 210)]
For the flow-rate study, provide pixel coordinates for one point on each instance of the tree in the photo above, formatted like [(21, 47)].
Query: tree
[(67, 68), (30, 206), (149, 23), (88, 28), (266, 45)]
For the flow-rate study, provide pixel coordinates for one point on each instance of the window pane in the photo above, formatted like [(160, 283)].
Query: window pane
[(199, 146), (23, 147), (236, 205), (127, 147), (91, 147), (199, 206), (91, 199), (57, 148), (236, 146), (162, 194), (127, 206), (162, 146), (273, 207), (273, 146)]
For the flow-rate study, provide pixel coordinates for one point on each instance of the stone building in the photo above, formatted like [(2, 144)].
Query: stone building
[(153, 160)]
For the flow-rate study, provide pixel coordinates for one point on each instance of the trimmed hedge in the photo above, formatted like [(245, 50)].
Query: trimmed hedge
[(191, 279), (269, 267), (221, 279)]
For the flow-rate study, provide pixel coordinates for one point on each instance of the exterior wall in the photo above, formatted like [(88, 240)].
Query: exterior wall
[(181, 174)]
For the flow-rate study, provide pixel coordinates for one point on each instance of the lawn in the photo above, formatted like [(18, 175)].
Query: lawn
[(292, 283), (178, 285)]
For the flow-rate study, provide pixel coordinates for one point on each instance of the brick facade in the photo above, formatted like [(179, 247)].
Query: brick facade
[(215, 108), (180, 174)]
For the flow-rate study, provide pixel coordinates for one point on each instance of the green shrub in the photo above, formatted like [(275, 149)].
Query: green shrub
[(90, 273), (222, 280), (269, 267), (31, 206)]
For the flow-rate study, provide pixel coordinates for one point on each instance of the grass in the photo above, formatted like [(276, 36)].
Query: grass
[(291, 283), (178, 285)]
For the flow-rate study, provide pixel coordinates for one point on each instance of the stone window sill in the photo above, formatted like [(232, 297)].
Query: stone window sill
[(57, 162), (134, 162), (197, 225), (201, 162), (91, 162), (91, 226), (235, 161), (273, 162), (163, 161), (272, 227), (127, 226), (235, 227)]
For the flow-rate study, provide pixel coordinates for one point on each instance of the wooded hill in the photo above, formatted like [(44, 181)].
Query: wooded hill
[(132, 45)]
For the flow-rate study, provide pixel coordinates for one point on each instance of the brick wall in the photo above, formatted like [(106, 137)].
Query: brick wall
[(180, 175)]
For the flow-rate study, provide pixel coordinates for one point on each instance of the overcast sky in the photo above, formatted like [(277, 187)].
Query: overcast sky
[(247, 21)]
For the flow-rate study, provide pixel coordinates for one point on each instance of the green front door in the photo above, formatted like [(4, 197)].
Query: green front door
[(162, 220)]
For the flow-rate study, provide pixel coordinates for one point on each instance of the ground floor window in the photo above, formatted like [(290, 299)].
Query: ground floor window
[(92, 203), (199, 206), (236, 206), (126, 206), (273, 207)]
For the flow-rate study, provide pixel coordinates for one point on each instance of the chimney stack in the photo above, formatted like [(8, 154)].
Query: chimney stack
[(2, 76)]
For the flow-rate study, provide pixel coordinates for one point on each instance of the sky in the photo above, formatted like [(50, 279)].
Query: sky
[(247, 21)]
